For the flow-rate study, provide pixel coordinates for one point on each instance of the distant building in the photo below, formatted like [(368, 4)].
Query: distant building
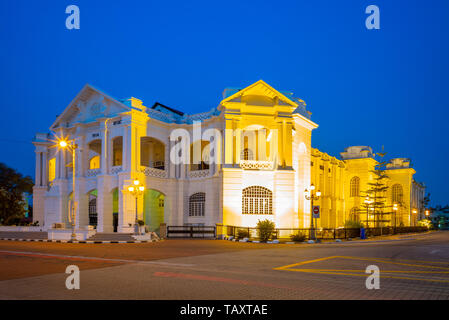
[(266, 162)]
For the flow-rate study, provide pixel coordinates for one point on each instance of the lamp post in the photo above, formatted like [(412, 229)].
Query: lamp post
[(367, 201), (427, 213), (136, 190), (311, 195), (71, 146), (414, 211), (395, 210)]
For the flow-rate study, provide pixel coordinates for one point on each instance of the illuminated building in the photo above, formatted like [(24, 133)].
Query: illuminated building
[(265, 161)]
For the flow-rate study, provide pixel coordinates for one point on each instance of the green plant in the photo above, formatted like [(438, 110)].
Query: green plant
[(299, 237), (353, 224), (140, 222), (242, 233), (265, 229)]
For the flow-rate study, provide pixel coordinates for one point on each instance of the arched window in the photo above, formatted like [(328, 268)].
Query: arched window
[(354, 214), (354, 187), (397, 194), (247, 154), (257, 200), (196, 204), (94, 162)]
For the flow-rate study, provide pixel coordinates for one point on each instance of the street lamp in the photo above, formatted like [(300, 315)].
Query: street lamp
[(311, 195), (395, 210), (427, 213), (367, 201), (414, 211), (136, 190), (71, 146)]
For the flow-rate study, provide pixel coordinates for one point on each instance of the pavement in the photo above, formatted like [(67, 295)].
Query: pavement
[(411, 267)]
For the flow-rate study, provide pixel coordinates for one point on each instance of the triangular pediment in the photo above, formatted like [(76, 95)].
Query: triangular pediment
[(262, 94), (89, 105)]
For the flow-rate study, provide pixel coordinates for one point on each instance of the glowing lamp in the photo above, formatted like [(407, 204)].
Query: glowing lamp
[(312, 187), (63, 143), (136, 182), (131, 189), (141, 188), (318, 193)]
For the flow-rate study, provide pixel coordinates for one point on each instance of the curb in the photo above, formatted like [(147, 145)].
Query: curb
[(81, 241)]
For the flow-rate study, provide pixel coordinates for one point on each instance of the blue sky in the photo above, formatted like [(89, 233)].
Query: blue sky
[(365, 87)]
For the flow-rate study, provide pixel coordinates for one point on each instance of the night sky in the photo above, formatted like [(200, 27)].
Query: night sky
[(364, 87)]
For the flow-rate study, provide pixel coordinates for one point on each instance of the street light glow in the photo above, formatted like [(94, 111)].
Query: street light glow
[(130, 189), (63, 143), (141, 188), (136, 182), (318, 193)]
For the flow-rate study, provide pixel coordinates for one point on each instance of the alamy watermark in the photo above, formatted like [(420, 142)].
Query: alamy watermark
[(73, 20), (373, 20), (373, 280), (73, 280)]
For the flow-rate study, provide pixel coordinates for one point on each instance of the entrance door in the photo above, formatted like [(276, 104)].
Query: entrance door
[(115, 221)]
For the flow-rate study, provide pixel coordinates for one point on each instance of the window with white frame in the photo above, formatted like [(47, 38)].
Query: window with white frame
[(196, 204), (257, 200)]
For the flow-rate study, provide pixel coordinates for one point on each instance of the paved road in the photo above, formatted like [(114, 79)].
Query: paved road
[(411, 267)]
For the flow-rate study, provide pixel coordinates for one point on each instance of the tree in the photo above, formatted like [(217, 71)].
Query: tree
[(265, 229), (377, 191), (12, 186)]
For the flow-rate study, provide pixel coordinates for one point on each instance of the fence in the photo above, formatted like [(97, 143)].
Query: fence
[(191, 232), (321, 233)]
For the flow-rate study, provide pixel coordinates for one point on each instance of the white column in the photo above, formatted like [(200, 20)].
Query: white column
[(38, 172), (104, 148), (44, 169)]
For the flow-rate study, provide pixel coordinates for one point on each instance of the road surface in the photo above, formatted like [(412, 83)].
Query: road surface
[(411, 267)]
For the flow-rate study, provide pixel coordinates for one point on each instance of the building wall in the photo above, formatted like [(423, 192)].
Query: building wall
[(284, 163)]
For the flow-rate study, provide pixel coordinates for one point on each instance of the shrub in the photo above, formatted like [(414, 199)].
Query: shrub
[(265, 229), (299, 237), (353, 224), (242, 233)]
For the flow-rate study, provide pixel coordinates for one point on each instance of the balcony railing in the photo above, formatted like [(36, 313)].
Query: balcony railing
[(256, 165), (116, 169), (198, 174), (93, 172), (153, 172)]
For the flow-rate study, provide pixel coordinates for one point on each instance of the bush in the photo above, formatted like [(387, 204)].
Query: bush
[(140, 222), (299, 237), (265, 229), (242, 233), (353, 224)]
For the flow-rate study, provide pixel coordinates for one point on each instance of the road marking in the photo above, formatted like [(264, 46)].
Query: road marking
[(66, 257), (361, 273), (220, 279)]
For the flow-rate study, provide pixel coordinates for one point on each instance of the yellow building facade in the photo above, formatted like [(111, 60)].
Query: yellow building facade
[(248, 159)]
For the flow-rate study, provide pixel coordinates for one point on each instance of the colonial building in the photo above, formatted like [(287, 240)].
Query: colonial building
[(250, 158)]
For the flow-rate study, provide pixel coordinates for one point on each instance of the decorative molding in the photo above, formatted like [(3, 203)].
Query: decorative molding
[(256, 165)]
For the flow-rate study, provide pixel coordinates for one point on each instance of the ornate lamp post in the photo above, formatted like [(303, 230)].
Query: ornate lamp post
[(71, 146), (311, 195), (136, 190), (395, 210), (412, 218), (368, 202)]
